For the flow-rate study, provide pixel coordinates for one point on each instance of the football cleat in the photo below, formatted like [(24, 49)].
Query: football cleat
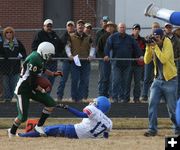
[(151, 10), (40, 130), (10, 135)]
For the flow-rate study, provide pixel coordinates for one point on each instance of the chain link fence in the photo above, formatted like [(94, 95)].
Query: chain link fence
[(9, 77), (26, 36)]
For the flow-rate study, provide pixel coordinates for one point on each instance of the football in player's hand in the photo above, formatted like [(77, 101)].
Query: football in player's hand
[(44, 83)]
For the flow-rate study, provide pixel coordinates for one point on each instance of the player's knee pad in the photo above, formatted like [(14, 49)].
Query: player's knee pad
[(178, 113)]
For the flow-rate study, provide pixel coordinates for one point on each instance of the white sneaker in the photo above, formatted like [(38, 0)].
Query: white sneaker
[(10, 135), (40, 129), (151, 10)]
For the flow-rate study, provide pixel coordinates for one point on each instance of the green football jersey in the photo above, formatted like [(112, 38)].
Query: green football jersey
[(32, 66)]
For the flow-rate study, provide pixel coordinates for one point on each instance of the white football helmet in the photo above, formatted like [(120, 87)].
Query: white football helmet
[(46, 50)]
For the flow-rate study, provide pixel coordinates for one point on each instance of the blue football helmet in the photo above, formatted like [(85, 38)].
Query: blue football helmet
[(102, 103)]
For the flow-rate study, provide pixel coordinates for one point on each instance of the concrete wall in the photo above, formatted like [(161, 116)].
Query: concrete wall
[(60, 11), (131, 12)]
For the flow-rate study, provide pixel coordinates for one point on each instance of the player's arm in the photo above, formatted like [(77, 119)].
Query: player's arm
[(74, 111), (53, 74)]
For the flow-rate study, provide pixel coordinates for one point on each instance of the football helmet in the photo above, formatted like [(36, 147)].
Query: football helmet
[(102, 103), (46, 50)]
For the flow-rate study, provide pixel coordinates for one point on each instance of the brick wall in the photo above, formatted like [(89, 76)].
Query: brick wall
[(82, 10), (28, 14), (22, 14)]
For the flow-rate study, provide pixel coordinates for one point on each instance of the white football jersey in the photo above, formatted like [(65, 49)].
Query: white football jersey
[(95, 125)]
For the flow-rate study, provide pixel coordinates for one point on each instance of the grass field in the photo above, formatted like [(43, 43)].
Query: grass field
[(127, 134)]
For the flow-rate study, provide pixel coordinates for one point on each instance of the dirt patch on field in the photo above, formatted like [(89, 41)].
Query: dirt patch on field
[(118, 140)]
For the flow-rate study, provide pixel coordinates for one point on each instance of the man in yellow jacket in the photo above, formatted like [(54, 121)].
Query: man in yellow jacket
[(159, 50)]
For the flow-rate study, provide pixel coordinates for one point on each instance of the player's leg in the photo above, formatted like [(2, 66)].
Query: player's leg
[(178, 113), (175, 18), (61, 131), (22, 107), (54, 130), (29, 134), (163, 14), (49, 103)]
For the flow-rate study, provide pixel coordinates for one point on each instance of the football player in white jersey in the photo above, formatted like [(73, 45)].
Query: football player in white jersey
[(95, 123)]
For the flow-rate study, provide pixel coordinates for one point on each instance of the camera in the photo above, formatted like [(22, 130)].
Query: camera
[(150, 39)]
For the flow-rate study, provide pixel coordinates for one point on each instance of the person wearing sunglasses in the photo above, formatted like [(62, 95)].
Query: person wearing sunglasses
[(13, 51)]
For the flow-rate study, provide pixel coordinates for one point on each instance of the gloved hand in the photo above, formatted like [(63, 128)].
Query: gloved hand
[(106, 135), (58, 73), (62, 106)]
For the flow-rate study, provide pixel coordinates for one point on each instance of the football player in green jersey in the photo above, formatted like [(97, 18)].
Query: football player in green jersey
[(27, 87)]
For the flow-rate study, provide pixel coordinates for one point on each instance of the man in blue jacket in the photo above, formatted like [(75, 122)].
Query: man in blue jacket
[(124, 47)]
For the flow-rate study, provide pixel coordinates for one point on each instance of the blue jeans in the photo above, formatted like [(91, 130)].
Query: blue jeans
[(135, 73), (9, 84), (148, 78), (120, 77), (66, 69), (167, 90), (80, 80), (104, 84)]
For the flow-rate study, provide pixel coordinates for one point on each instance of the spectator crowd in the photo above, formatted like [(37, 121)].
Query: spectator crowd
[(121, 59)]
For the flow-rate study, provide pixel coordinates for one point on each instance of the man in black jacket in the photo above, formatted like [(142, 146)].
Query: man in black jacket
[(1, 87), (66, 66), (48, 35), (104, 84)]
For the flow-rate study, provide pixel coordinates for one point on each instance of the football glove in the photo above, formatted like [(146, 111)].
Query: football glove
[(62, 106)]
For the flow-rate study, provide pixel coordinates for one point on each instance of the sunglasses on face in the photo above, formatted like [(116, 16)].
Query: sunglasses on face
[(8, 32), (49, 26), (168, 27), (89, 28)]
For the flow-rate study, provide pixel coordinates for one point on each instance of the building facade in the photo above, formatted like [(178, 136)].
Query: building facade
[(27, 16)]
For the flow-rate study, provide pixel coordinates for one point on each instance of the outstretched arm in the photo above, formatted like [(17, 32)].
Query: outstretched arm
[(74, 111)]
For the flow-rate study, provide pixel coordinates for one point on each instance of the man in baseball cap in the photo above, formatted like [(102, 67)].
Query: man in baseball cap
[(136, 26), (70, 23), (100, 32), (80, 21), (48, 21), (105, 18), (159, 32), (88, 28)]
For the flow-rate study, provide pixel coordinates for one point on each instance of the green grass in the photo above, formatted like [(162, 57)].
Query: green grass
[(118, 123)]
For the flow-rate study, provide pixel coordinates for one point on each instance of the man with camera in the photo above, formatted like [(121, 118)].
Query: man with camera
[(160, 51)]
